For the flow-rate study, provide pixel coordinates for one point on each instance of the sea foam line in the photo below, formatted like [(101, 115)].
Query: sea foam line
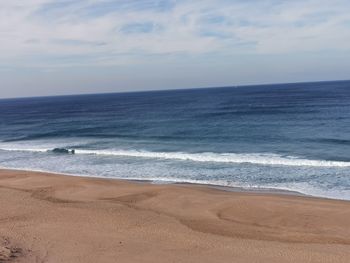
[(236, 158), (253, 158), (294, 189)]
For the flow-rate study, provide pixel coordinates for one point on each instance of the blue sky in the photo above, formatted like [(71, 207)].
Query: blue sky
[(50, 47)]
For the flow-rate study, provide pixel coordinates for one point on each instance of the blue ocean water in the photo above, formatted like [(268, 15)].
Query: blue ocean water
[(289, 136)]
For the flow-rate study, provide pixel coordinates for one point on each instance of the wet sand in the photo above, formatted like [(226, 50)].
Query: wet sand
[(57, 218)]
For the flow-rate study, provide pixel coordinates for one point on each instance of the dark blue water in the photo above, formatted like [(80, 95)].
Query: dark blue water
[(290, 136)]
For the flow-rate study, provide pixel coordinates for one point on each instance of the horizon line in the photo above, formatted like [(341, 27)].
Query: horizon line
[(174, 89)]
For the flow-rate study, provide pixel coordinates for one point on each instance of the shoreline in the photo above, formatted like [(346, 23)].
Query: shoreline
[(49, 217), (242, 189)]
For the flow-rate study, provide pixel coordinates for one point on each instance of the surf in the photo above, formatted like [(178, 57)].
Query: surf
[(267, 159)]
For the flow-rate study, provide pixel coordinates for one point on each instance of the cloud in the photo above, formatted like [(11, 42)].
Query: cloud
[(139, 28), (52, 33)]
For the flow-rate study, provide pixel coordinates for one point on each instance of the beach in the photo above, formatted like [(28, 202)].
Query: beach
[(58, 218), (174, 131)]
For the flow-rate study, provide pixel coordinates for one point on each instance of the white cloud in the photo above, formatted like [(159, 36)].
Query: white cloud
[(47, 33)]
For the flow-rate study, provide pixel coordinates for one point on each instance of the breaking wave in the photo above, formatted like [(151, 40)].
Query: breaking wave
[(235, 158)]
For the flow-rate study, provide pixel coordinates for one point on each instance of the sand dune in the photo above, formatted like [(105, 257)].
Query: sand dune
[(56, 218)]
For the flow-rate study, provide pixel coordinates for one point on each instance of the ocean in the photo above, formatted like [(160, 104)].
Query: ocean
[(284, 136)]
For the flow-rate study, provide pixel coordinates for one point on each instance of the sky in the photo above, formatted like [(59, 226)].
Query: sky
[(56, 47)]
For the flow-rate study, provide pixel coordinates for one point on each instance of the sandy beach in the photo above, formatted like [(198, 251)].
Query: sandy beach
[(57, 218)]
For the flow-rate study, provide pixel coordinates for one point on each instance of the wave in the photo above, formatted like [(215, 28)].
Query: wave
[(235, 158), (63, 151)]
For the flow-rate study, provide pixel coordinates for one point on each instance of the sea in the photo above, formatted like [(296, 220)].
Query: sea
[(293, 137)]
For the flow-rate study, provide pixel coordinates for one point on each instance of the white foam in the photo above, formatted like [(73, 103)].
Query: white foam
[(25, 150), (236, 158), (253, 158)]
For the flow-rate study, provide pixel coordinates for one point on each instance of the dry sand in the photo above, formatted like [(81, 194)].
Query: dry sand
[(57, 218)]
